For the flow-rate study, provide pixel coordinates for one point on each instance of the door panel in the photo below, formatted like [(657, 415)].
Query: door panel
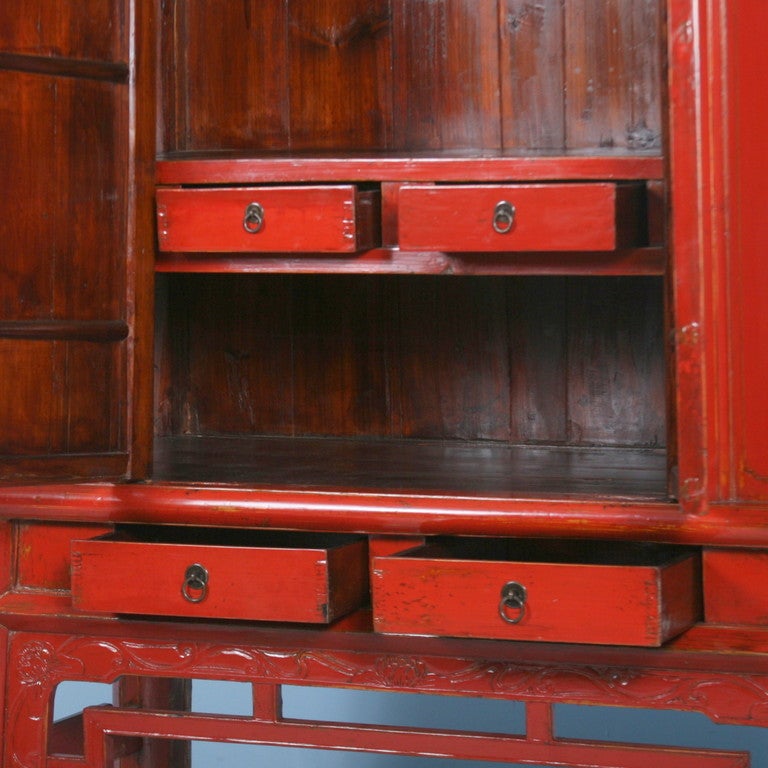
[(68, 237)]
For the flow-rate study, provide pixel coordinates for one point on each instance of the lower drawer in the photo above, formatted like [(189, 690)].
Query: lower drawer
[(575, 592), (223, 574)]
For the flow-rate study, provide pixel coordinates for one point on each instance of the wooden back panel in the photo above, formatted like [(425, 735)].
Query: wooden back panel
[(350, 75), (574, 361)]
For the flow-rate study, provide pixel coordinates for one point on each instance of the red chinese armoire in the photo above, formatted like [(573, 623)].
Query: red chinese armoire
[(410, 345)]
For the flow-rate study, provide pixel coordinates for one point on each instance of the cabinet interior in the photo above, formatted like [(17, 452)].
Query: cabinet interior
[(502, 383), (484, 384)]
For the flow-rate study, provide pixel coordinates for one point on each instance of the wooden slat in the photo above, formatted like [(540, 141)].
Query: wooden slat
[(446, 74), (536, 313), (65, 330), (388, 261), (402, 741), (114, 72), (612, 73), (533, 106), (616, 374), (231, 168), (452, 366), (339, 74), (225, 80)]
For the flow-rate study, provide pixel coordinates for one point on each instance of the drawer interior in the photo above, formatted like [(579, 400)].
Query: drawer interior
[(551, 551)]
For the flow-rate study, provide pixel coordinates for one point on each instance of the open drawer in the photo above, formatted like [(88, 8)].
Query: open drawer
[(592, 216), (282, 219), (575, 592), (223, 574)]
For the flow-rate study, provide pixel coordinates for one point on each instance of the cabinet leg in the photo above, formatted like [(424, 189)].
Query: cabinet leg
[(157, 694)]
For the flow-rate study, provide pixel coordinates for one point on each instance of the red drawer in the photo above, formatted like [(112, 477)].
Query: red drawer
[(319, 219), (202, 573), (521, 217), (532, 590), (736, 586)]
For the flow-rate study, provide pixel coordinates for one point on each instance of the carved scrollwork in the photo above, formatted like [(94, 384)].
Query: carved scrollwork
[(40, 662)]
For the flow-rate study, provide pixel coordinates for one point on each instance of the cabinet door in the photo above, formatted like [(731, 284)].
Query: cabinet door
[(75, 236), (746, 230), (720, 234)]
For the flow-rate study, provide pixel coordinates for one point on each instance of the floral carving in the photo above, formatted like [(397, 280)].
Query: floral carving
[(43, 661), (35, 662), (400, 671)]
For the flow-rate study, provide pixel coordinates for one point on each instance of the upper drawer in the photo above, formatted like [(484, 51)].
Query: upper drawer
[(521, 217), (207, 573), (319, 219), (531, 590)]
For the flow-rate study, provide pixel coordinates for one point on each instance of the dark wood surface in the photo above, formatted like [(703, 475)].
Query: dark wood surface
[(576, 361), (412, 74), (435, 467), (64, 237)]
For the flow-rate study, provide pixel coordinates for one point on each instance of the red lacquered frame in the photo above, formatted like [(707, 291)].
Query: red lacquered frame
[(718, 234)]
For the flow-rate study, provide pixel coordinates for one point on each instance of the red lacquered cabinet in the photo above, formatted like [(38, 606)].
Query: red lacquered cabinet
[(403, 345)]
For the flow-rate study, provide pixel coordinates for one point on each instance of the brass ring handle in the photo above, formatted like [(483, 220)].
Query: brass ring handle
[(194, 589), (512, 604), (503, 217), (253, 220)]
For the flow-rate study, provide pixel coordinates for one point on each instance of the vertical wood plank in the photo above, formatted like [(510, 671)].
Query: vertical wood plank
[(531, 39), (646, 130), (340, 65), (616, 362), (64, 223), (60, 398), (228, 75), (604, 44), (538, 384), (454, 370), (341, 384), (446, 74), (240, 362)]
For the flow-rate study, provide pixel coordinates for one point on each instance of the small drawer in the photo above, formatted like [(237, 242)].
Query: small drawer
[(736, 586), (318, 219), (222, 574), (521, 217), (574, 592)]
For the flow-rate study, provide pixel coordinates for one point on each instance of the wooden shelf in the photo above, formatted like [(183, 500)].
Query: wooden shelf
[(200, 168), (438, 467), (393, 261)]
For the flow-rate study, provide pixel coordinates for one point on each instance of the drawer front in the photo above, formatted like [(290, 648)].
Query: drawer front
[(305, 582), (324, 219), (736, 586), (520, 217), (434, 592)]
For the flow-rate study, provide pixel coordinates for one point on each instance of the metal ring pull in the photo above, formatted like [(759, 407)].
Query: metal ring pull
[(195, 586), (512, 604), (253, 220), (503, 217)]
